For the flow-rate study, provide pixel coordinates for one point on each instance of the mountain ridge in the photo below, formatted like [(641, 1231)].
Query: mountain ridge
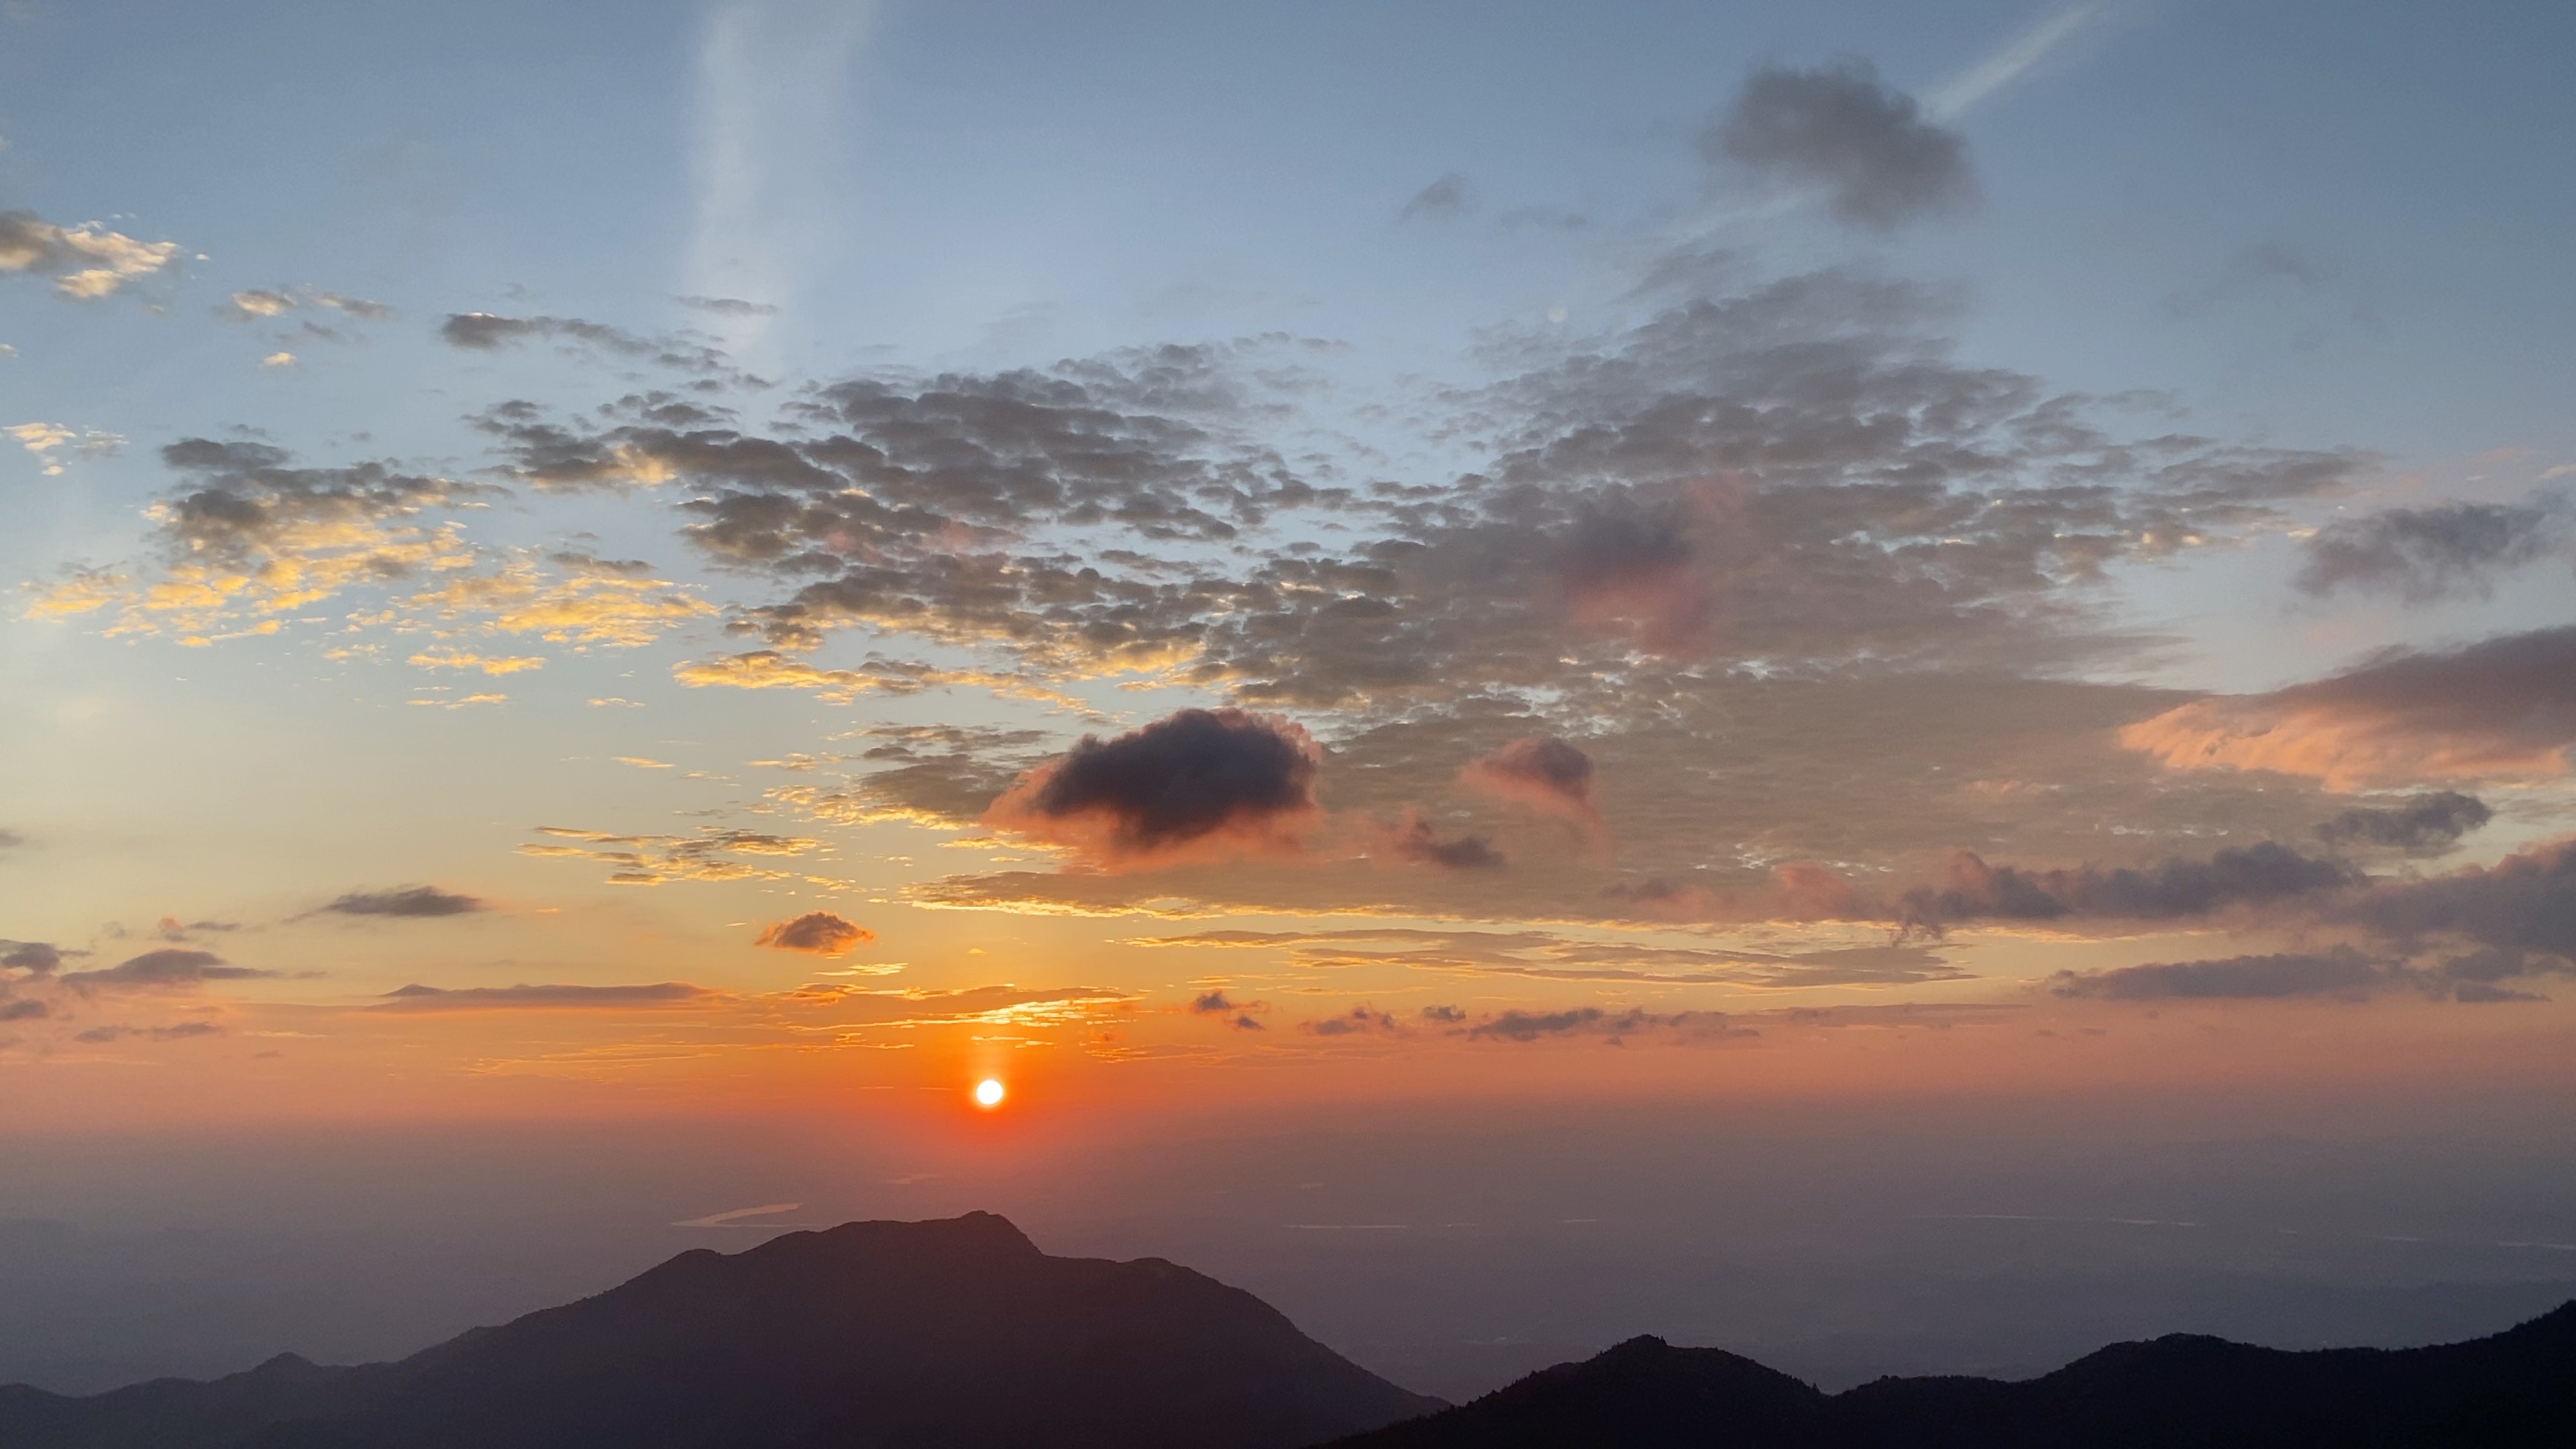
[(2514, 1388), (962, 1333), (871, 1335)]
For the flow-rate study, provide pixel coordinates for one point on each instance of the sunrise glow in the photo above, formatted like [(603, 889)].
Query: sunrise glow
[(988, 1093)]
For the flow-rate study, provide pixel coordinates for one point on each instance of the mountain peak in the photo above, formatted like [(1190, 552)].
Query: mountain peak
[(954, 1332)]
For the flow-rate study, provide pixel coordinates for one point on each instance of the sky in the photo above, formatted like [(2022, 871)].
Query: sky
[(1496, 637)]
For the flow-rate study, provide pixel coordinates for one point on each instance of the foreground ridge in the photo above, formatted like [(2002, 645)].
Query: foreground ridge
[(2515, 1388)]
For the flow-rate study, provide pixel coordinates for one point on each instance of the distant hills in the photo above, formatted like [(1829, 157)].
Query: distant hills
[(960, 1334), (2514, 1389), (955, 1333)]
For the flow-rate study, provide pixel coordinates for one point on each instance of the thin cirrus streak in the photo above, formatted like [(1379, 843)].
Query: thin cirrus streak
[(773, 100)]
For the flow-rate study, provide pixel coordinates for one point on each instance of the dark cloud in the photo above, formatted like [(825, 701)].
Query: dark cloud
[(1413, 839), (488, 332), (1841, 128), (418, 998), (1614, 1023), (1217, 1003), (2500, 709), (1358, 1021), (36, 956), (170, 968), (1541, 772), (11, 840), (2524, 903), (1443, 1015), (2420, 825), (2239, 876), (2341, 972), (1446, 197), (407, 901), (2424, 555), (819, 932), (24, 1010), (243, 501), (181, 1032), (1194, 782)]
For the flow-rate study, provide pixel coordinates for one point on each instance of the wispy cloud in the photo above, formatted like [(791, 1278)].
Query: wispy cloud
[(772, 109), (2016, 58)]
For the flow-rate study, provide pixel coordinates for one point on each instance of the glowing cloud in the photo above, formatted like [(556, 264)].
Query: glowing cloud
[(819, 933)]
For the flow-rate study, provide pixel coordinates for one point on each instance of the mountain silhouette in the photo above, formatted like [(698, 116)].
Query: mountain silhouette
[(956, 1333), (2516, 1388)]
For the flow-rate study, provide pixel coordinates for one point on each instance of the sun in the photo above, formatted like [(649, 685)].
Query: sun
[(988, 1092)]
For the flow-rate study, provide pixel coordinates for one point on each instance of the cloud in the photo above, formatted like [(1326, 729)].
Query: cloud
[(1358, 1021), (2523, 903), (1444, 198), (488, 332), (424, 999), (2420, 825), (2016, 58), (180, 1032), (1614, 1023), (1840, 128), (1414, 840), (2450, 937), (251, 540), (1795, 891), (408, 901), (488, 663), (24, 1010), (1635, 569), (263, 304), (38, 957), (86, 261), (1792, 473), (819, 932), (659, 859), (734, 1218), (2340, 972), (2424, 555), (170, 969), (1196, 783), (1549, 956), (855, 1008), (727, 306), (2238, 876), (53, 442), (1544, 774), (1216, 1003), (2500, 709)]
